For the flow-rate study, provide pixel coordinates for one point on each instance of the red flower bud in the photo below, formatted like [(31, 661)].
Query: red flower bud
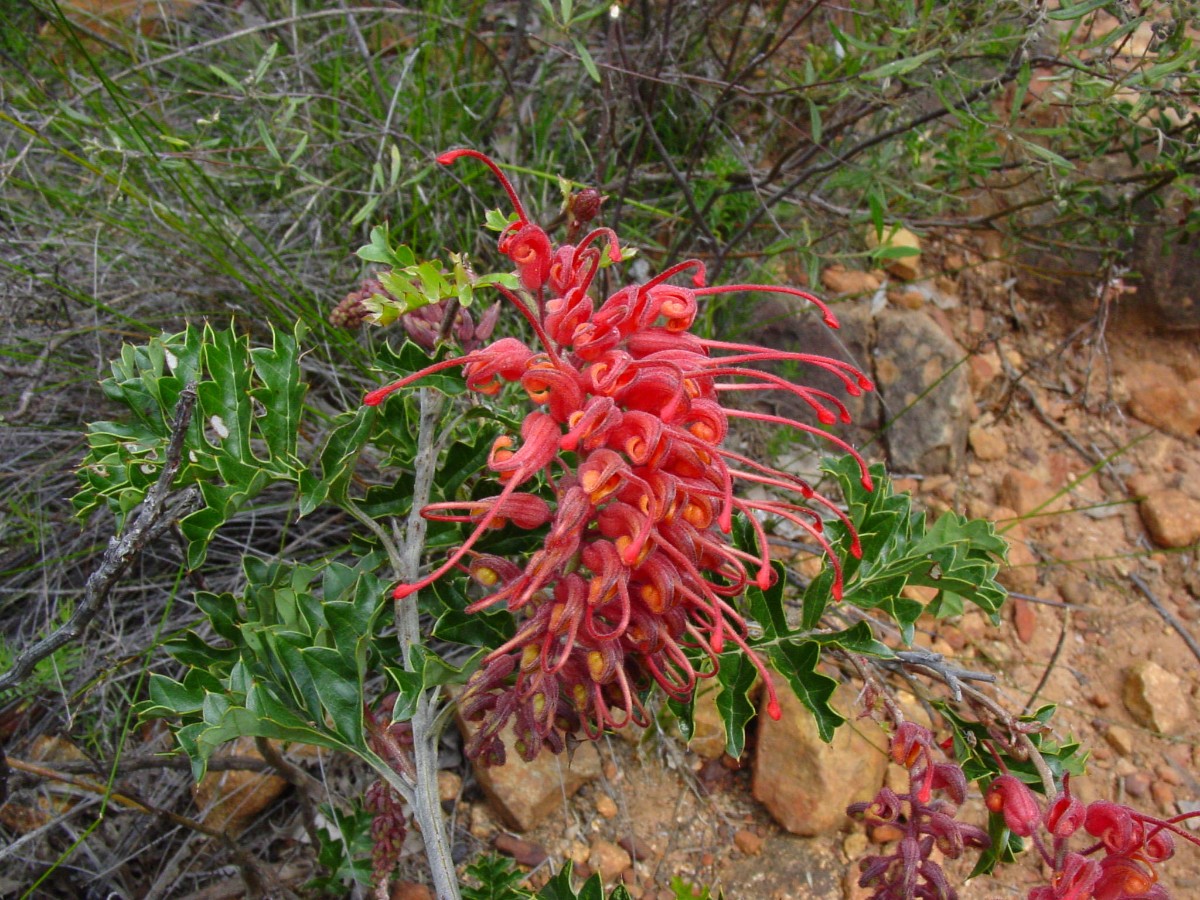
[(1011, 797)]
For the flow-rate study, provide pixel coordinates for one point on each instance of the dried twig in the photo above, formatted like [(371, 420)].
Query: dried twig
[(34, 373), (121, 552), (308, 789), (1167, 615), (953, 676), (1050, 664), (252, 872)]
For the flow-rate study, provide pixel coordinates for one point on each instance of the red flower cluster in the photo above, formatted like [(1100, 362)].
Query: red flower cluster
[(637, 567), (1119, 864), (925, 822)]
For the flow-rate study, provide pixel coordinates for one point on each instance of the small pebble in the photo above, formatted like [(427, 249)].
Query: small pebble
[(1100, 700), (608, 859), (1169, 775), (410, 890), (606, 806), (640, 851), (1120, 739), (1137, 784), (526, 853), (748, 842), (449, 785), (1164, 796)]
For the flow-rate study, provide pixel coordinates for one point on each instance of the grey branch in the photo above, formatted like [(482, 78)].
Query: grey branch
[(120, 553), (935, 662), (1166, 614)]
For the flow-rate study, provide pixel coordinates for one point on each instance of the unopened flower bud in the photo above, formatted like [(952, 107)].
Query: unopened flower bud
[(1013, 798)]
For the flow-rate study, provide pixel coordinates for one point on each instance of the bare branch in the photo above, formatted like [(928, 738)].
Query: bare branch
[(1166, 614), (122, 551)]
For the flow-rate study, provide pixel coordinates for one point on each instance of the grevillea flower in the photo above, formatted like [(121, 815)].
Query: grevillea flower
[(637, 569), (1119, 865), (925, 822)]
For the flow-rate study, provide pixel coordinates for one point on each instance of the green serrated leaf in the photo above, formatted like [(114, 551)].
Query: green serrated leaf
[(498, 879), (736, 675), (446, 602), (340, 690), (338, 459), (797, 662), (856, 639), (766, 607)]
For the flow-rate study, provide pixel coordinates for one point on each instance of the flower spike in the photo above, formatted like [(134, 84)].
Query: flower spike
[(622, 471)]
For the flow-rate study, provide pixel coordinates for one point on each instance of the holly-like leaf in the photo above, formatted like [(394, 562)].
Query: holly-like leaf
[(797, 662), (559, 888), (445, 600), (958, 557), (1005, 847), (427, 669), (498, 879), (766, 607), (856, 639), (241, 438), (340, 690), (337, 460), (976, 750), (736, 675)]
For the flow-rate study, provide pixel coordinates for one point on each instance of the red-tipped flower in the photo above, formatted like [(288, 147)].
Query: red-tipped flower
[(626, 441)]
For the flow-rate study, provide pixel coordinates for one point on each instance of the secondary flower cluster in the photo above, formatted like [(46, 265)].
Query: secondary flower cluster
[(623, 461), (925, 822), (1119, 863)]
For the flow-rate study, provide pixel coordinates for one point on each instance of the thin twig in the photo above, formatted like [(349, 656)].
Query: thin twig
[(307, 788), (120, 553), (34, 373), (953, 676), (1167, 615), (252, 872), (1050, 664), (1031, 751)]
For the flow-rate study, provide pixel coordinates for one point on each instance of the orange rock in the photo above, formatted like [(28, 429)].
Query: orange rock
[(840, 280), (806, 784), (1172, 518), (748, 842), (230, 799), (1171, 407), (1024, 619)]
